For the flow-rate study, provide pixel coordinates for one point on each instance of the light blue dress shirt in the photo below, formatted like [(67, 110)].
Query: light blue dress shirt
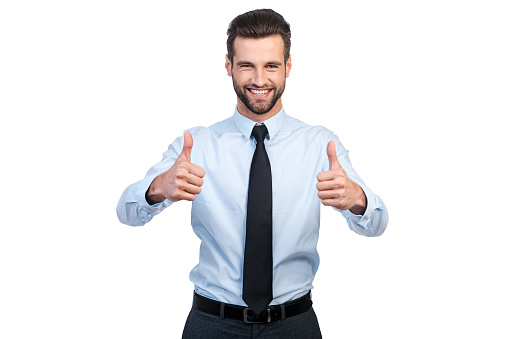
[(224, 150)]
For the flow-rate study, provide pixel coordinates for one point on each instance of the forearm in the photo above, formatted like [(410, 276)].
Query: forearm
[(361, 202), (153, 194)]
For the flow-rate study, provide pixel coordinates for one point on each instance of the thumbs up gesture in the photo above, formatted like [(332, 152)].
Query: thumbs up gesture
[(336, 189), (181, 182)]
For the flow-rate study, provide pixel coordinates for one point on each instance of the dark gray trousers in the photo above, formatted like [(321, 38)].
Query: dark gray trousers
[(202, 325)]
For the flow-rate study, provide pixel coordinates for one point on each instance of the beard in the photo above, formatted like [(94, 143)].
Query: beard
[(259, 106)]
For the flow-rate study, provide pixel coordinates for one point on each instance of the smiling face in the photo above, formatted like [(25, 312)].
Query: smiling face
[(259, 75)]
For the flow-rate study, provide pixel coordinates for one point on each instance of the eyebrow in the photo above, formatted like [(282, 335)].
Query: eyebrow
[(241, 62)]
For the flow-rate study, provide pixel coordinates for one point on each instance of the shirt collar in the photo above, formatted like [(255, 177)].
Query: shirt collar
[(245, 125)]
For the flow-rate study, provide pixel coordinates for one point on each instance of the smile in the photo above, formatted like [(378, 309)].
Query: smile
[(259, 91)]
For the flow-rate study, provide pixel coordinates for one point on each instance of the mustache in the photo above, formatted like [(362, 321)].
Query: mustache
[(250, 85)]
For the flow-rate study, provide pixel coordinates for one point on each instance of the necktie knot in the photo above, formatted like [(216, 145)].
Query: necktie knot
[(259, 133)]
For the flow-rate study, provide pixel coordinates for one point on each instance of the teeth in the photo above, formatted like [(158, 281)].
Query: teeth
[(259, 91)]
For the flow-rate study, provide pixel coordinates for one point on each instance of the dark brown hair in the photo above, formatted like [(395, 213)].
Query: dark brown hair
[(259, 23)]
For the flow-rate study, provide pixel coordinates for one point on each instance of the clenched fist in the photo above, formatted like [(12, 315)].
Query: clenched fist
[(336, 189), (181, 182)]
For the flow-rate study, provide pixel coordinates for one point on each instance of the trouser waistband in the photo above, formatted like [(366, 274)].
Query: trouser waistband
[(270, 314)]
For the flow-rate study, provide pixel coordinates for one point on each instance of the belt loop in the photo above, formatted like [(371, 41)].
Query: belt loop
[(282, 312), (222, 311)]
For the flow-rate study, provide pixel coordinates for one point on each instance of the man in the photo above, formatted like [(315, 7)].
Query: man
[(256, 181)]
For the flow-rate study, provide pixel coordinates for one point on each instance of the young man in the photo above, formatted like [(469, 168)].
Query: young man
[(256, 181)]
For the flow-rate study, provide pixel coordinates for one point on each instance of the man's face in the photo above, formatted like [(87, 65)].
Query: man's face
[(259, 74)]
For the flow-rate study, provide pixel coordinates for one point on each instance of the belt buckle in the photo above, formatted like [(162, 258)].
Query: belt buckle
[(246, 317)]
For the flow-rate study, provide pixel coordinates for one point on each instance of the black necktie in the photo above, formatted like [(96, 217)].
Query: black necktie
[(258, 261)]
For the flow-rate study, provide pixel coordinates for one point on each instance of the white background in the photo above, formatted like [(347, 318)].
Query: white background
[(93, 92)]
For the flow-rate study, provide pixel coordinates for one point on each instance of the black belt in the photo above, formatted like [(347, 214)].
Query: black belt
[(270, 314)]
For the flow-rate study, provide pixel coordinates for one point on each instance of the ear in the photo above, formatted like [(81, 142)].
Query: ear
[(288, 66), (228, 65)]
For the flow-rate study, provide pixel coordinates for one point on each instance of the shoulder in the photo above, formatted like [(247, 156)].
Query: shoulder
[(213, 131), (317, 132), (217, 128)]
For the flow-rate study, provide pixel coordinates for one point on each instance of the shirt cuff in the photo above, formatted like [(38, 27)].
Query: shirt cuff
[(364, 220), (361, 223)]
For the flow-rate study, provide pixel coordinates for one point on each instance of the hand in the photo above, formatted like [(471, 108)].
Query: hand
[(181, 182), (336, 189)]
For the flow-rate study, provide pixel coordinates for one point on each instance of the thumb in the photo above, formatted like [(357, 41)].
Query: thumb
[(332, 156), (187, 146)]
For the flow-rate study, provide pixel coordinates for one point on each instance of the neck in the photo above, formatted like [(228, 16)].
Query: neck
[(243, 110)]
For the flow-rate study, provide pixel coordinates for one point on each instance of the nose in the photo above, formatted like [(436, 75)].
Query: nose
[(259, 77)]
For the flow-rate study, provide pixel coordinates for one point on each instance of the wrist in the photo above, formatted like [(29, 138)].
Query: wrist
[(361, 202), (153, 194)]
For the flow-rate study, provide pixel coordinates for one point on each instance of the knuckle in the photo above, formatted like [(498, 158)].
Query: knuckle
[(183, 167)]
